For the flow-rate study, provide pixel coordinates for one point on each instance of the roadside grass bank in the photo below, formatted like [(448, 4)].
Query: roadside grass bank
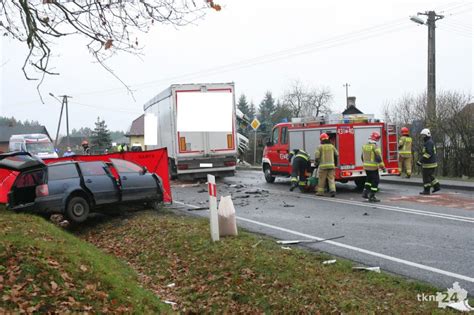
[(44, 269), (175, 259)]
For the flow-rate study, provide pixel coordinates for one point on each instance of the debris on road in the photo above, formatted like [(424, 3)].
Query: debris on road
[(256, 244), (365, 213), (308, 241), (257, 192), (236, 186), (286, 205), (201, 191), (241, 197), (375, 269), (198, 208), (329, 262)]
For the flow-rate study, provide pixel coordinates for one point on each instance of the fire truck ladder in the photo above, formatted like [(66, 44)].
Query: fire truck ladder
[(392, 143)]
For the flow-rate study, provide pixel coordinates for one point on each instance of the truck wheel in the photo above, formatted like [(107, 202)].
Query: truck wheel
[(267, 171), (172, 174), (77, 210), (360, 183)]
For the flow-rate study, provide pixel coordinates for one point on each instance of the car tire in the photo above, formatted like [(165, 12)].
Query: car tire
[(77, 210), (267, 171)]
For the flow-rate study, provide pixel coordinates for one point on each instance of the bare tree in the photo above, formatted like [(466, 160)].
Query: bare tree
[(109, 25), (452, 129), (304, 101)]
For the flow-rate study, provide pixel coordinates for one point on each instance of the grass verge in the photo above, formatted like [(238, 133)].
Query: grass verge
[(45, 269), (176, 259)]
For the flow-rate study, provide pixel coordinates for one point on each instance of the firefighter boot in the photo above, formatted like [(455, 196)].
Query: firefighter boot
[(293, 185), (436, 187), (365, 194), (332, 193), (426, 191), (372, 197)]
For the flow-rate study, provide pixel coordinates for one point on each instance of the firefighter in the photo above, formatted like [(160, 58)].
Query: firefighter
[(429, 163), (85, 147), (326, 160), (372, 158), (300, 164), (405, 154)]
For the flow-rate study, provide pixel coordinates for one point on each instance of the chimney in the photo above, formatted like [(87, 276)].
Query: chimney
[(351, 101)]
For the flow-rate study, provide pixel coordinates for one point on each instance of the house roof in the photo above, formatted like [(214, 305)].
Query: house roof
[(7, 131), (351, 110), (138, 127)]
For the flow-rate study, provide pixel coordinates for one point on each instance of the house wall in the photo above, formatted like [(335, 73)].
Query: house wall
[(137, 139), (4, 146)]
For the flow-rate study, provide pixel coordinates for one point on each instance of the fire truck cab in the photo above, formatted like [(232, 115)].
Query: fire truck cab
[(348, 133)]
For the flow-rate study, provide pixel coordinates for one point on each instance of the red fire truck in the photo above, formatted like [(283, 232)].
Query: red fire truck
[(347, 133)]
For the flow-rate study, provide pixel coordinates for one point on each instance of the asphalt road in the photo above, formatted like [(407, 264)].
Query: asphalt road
[(429, 238)]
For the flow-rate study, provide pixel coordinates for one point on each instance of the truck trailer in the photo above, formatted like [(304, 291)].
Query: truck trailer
[(197, 125)]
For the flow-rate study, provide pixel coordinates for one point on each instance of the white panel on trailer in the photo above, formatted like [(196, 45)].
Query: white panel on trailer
[(361, 137)]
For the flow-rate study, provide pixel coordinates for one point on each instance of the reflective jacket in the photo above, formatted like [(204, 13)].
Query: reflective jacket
[(428, 158), (372, 157), (404, 145), (298, 153), (326, 156)]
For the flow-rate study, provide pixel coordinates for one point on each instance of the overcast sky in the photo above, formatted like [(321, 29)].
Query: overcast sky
[(372, 45)]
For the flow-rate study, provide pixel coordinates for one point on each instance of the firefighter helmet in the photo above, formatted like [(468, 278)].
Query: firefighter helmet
[(425, 132), (324, 136), (375, 136), (405, 131)]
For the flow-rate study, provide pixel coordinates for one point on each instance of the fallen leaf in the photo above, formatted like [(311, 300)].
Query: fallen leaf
[(83, 268), (108, 44), (54, 285)]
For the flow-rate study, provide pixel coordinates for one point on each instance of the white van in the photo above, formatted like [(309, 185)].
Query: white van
[(36, 144)]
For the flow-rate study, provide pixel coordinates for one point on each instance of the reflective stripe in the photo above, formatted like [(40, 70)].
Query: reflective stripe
[(327, 165), (427, 185), (374, 189), (426, 155), (434, 182), (404, 152), (302, 156), (294, 179), (430, 165)]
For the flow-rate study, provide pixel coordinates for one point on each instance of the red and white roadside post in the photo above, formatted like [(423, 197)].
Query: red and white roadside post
[(211, 185)]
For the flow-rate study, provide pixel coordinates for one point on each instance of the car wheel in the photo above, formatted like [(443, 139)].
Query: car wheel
[(77, 210), (268, 174)]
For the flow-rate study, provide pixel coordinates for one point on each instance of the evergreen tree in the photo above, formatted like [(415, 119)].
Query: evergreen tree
[(243, 106), (266, 110), (282, 113), (101, 135), (252, 111)]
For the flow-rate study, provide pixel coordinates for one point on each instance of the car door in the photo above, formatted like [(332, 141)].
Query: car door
[(136, 183), (102, 184)]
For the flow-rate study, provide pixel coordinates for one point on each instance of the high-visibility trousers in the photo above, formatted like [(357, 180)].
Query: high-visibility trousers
[(326, 175), (405, 164)]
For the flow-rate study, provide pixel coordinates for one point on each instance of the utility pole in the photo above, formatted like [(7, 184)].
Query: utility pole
[(64, 103), (65, 97), (347, 93), (431, 88)]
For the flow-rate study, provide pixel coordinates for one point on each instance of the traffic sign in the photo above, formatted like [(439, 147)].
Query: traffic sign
[(255, 124)]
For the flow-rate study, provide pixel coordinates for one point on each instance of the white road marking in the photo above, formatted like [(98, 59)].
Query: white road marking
[(383, 207), (357, 249)]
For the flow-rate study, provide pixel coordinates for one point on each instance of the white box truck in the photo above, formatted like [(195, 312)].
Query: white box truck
[(197, 124)]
